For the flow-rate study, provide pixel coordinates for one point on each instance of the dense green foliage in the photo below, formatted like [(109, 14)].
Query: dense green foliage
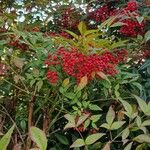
[(74, 75)]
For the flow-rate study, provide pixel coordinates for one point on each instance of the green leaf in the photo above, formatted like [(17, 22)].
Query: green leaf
[(65, 82), (147, 36), (2, 42), (32, 82), (125, 133), (108, 22), (116, 125), (117, 94), (105, 125), (69, 125), (86, 123), (90, 32), (128, 147), (72, 34), (39, 85), (138, 121), (118, 44), (95, 118), (18, 62), (36, 72), (144, 129), (82, 119), (146, 123), (70, 118), (62, 139), (39, 137), (127, 107), (82, 27), (78, 143), (93, 138), (140, 19), (142, 138), (94, 125), (29, 76), (4, 141), (94, 107), (110, 116), (117, 24), (70, 95), (143, 106), (140, 147), (138, 85)]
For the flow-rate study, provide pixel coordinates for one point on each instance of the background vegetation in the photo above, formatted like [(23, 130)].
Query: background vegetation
[(74, 74)]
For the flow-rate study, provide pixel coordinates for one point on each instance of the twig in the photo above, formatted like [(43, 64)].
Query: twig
[(6, 112)]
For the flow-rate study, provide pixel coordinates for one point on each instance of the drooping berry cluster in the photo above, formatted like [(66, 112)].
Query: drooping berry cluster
[(68, 18), (127, 15), (54, 34), (131, 26), (146, 54), (78, 65), (102, 13), (18, 45)]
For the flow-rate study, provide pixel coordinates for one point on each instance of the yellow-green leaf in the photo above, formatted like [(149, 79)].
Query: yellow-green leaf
[(78, 143), (72, 34), (82, 27), (142, 138), (110, 116), (39, 137), (65, 82), (4, 141), (93, 138)]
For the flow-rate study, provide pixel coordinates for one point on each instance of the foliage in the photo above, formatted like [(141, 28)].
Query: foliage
[(75, 75)]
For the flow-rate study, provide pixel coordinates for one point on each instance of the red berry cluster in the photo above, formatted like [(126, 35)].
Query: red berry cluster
[(61, 34), (78, 65), (146, 54), (18, 45), (132, 6), (68, 18), (131, 28), (52, 76), (3, 29), (102, 13)]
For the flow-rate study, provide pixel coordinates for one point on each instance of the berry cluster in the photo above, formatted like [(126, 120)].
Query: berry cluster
[(68, 18), (52, 76), (54, 34), (132, 6), (3, 30), (131, 28), (146, 54), (127, 15), (102, 13), (18, 45), (77, 65)]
